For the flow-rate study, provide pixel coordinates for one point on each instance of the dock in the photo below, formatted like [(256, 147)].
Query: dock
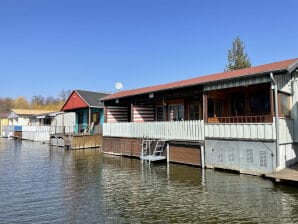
[(152, 158), (76, 141), (289, 174)]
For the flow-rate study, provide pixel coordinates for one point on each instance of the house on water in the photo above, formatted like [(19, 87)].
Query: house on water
[(19, 118), (244, 120), (88, 109)]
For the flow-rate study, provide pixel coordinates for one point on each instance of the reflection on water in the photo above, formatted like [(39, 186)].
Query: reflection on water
[(39, 184)]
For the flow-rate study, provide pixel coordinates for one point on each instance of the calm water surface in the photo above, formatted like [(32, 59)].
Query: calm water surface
[(39, 184)]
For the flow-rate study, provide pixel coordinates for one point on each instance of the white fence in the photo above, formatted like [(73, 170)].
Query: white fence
[(61, 129), (42, 133), (173, 130), (36, 133), (194, 130), (251, 131)]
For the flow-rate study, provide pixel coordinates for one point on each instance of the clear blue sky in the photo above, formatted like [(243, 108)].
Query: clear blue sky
[(50, 45)]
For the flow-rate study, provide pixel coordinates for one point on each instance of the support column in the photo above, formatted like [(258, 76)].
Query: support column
[(205, 107), (89, 120)]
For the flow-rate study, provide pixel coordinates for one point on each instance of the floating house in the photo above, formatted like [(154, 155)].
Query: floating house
[(19, 118), (244, 120), (88, 109)]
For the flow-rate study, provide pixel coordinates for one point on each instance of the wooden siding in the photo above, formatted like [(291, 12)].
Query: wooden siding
[(173, 130), (284, 82), (185, 154), (116, 114), (237, 83), (86, 141), (122, 146), (141, 114), (17, 134)]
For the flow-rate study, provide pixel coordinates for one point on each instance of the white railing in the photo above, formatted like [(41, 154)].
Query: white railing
[(251, 131), (286, 130), (36, 133), (192, 130), (62, 130), (171, 130), (42, 133)]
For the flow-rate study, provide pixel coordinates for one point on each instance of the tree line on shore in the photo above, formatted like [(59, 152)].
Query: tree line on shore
[(37, 102)]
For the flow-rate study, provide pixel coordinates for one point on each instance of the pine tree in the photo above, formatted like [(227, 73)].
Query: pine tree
[(237, 59)]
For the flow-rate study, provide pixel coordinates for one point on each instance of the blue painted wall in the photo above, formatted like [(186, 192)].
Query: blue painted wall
[(85, 118)]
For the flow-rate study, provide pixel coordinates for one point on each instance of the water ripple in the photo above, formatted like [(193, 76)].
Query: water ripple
[(39, 184)]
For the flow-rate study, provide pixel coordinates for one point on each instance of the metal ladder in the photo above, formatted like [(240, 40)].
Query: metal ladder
[(146, 147), (159, 148)]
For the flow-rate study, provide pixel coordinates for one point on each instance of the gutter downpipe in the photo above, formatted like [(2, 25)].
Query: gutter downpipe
[(276, 120)]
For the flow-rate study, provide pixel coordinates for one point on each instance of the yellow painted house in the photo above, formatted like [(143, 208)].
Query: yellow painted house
[(22, 117), (3, 122)]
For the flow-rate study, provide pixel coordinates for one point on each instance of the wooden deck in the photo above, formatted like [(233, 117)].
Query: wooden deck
[(76, 141), (288, 175)]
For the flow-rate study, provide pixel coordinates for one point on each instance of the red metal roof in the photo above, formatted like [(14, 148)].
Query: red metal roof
[(276, 66)]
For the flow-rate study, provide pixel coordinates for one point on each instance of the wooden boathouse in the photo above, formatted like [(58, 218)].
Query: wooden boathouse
[(89, 116), (244, 120)]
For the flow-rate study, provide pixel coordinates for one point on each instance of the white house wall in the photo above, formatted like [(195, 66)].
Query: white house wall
[(66, 119), (253, 157), (284, 83), (288, 155), (294, 108)]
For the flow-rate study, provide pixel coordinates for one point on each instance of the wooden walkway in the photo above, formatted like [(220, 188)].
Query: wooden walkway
[(288, 174)]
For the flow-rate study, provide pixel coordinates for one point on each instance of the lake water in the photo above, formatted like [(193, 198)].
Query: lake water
[(40, 184)]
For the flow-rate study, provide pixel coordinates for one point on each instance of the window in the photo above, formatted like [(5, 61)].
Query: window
[(237, 104), (194, 111), (285, 104), (176, 112), (214, 108), (260, 102)]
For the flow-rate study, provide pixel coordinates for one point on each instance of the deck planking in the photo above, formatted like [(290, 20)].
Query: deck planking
[(287, 174)]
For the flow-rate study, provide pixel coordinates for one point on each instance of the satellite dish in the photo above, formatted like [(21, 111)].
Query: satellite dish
[(118, 86)]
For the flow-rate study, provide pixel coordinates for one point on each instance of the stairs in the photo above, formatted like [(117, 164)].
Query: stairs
[(150, 154)]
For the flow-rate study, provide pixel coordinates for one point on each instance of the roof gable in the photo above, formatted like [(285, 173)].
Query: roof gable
[(267, 68), (74, 101)]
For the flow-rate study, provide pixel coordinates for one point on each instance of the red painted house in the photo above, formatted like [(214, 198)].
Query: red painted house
[(88, 109)]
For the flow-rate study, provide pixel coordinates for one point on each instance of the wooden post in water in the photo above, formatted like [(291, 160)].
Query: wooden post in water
[(202, 157), (168, 153)]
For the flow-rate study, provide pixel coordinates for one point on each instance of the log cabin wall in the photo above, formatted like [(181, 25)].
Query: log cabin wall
[(142, 113), (116, 114)]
